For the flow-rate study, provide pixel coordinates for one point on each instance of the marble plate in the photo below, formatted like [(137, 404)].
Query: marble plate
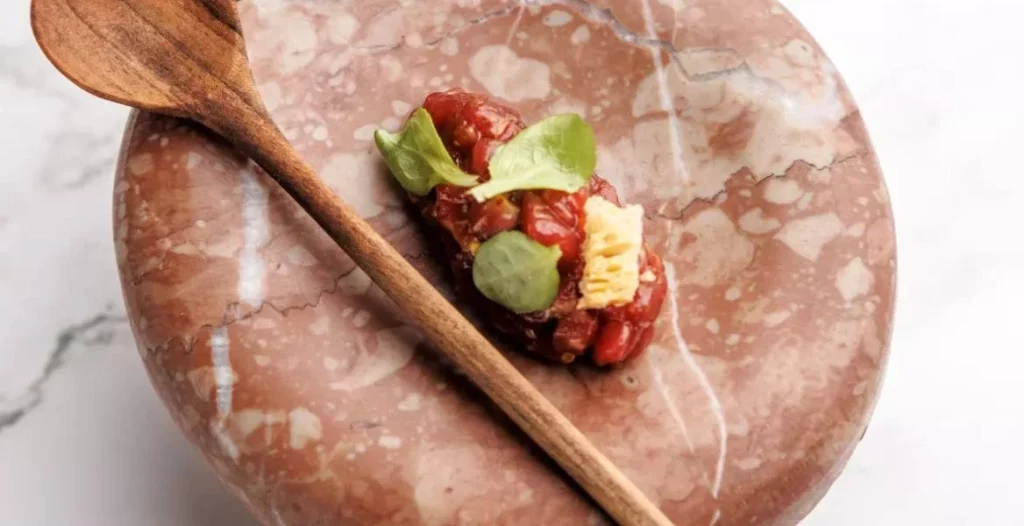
[(302, 385)]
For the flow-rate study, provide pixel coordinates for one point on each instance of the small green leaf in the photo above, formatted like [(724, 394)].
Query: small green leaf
[(417, 157), (557, 153), (517, 272)]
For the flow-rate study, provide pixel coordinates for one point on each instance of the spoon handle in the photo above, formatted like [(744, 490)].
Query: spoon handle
[(446, 328)]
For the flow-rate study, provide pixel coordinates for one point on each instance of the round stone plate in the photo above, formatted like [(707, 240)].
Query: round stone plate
[(315, 402)]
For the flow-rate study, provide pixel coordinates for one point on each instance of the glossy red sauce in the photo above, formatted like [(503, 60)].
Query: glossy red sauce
[(472, 126)]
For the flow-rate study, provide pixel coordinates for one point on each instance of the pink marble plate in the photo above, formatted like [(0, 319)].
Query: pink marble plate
[(302, 385)]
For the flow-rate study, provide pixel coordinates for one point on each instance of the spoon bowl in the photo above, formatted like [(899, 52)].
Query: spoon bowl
[(144, 53)]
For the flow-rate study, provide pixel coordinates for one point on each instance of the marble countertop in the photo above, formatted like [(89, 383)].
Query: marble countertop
[(84, 440)]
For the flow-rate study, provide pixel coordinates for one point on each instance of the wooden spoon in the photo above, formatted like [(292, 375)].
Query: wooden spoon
[(187, 58)]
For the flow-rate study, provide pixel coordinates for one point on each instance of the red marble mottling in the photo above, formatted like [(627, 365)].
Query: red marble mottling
[(316, 404)]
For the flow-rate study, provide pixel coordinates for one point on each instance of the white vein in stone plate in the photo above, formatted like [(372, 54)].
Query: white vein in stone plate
[(702, 378), (673, 408), (254, 235), (224, 381), (665, 97)]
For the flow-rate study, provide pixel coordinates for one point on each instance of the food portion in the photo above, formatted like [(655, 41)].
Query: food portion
[(535, 239)]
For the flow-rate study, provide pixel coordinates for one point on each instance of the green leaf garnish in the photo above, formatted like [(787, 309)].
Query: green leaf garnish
[(557, 153), (517, 272), (417, 157)]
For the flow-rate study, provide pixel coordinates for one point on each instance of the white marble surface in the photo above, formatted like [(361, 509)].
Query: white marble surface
[(84, 440)]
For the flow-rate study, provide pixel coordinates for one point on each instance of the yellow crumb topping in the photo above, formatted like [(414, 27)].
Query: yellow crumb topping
[(611, 251)]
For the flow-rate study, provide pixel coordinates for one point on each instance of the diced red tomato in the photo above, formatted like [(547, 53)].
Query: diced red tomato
[(493, 216), (614, 342), (555, 218), (480, 158), (575, 333)]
